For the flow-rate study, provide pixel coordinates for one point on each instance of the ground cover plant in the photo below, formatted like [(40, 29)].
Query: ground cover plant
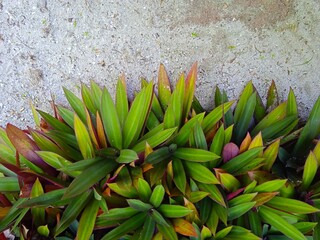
[(161, 167)]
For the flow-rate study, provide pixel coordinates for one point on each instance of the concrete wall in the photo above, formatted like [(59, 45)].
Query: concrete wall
[(46, 44)]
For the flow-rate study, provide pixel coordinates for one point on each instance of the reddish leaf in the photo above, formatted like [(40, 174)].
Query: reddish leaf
[(27, 148), (184, 227), (230, 150)]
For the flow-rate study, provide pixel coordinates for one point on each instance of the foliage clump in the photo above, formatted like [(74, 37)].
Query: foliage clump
[(161, 167)]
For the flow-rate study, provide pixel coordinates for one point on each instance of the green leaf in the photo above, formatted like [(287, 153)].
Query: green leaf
[(215, 115), (87, 220), (189, 90), (122, 100), (13, 215), (183, 135), (164, 87), (309, 170), (47, 199), (218, 141), (167, 231), (96, 94), (83, 138), (198, 139), (9, 184), (123, 190), (292, 109), (214, 192), (73, 210), (35, 115), (240, 161), (89, 177), (144, 190), (67, 115), (76, 104), (137, 116), (177, 101), (276, 129), (158, 155), (270, 186), (291, 205), (38, 214), (242, 122), (243, 198), (46, 144), (310, 130), (195, 155), (155, 140), (157, 217), (87, 99), (127, 156), (127, 226), (116, 214), (179, 175), (200, 173), (270, 155), (239, 210), (272, 96), (148, 229), (278, 222), (255, 223), (157, 196), (139, 205), (110, 120), (173, 211), (55, 123), (274, 116), (241, 105)]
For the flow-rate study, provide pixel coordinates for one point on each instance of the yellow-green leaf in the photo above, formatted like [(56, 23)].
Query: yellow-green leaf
[(110, 120), (83, 138), (87, 220), (137, 116)]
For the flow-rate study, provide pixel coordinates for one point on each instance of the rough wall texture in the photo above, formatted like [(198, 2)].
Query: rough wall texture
[(47, 44)]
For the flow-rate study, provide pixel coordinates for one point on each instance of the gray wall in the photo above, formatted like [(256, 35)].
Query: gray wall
[(46, 44)]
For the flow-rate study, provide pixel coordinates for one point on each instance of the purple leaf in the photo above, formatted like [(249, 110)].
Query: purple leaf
[(230, 150)]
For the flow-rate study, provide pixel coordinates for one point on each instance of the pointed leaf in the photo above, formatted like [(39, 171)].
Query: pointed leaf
[(27, 148), (239, 210), (309, 170), (278, 222), (127, 156), (148, 229), (200, 173), (83, 138), (270, 186), (179, 175), (215, 115), (157, 196), (272, 96), (73, 210), (137, 116), (87, 220), (76, 104), (214, 192), (55, 123), (110, 120), (190, 89), (183, 227), (122, 100), (88, 178), (127, 226), (241, 160), (291, 205), (155, 140), (270, 155), (87, 99), (167, 231), (230, 151), (195, 155), (173, 211), (163, 87)]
